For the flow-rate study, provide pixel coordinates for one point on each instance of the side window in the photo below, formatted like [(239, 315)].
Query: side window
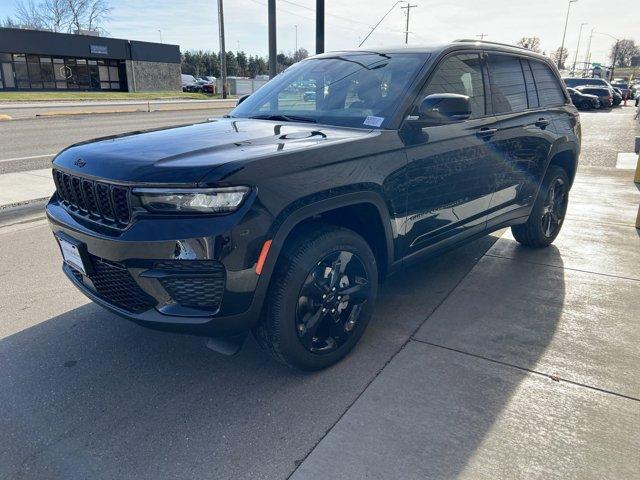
[(549, 89), (532, 93), (461, 74), (508, 90)]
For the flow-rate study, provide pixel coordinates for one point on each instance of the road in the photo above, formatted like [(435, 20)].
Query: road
[(487, 362), (29, 144)]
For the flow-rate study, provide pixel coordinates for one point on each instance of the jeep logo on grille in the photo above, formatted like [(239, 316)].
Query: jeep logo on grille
[(79, 163)]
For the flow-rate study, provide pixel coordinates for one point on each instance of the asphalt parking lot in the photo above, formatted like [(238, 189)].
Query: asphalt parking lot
[(490, 361)]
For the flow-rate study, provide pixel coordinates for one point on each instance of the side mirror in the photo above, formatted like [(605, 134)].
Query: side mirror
[(241, 99), (442, 108)]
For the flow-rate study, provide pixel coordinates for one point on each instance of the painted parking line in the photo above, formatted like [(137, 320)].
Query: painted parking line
[(32, 157)]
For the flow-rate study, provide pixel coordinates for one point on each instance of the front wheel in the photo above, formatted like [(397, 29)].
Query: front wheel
[(549, 209), (321, 298)]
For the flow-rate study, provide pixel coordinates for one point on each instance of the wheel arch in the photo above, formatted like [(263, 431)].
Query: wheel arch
[(364, 212)]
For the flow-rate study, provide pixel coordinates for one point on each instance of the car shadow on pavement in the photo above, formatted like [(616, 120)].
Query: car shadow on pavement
[(454, 402), (89, 395)]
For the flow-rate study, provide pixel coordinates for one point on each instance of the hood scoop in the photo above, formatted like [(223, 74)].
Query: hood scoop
[(301, 134)]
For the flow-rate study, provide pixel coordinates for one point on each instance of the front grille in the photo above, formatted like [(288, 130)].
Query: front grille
[(98, 201), (194, 283), (114, 284)]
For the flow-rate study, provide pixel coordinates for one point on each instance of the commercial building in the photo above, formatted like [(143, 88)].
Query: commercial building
[(40, 60)]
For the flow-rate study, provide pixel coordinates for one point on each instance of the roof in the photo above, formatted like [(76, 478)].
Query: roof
[(437, 48)]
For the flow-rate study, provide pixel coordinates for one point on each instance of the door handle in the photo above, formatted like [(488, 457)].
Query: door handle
[(542, 123), (486, 133)]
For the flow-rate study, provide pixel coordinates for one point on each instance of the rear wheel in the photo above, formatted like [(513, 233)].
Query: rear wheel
[(321, 298), (547, 215)]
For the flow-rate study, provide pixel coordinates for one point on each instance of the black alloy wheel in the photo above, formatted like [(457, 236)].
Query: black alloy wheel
[(547, 215), (554, 207), (330, 302), (321, 297)]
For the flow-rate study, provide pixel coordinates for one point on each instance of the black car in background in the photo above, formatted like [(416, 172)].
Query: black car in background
[(583, 101), (604, 94), (617, 96), (625, 89), (282, 218)]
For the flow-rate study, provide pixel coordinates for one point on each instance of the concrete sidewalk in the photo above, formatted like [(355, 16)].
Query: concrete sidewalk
[(528, 369), (25, 187)]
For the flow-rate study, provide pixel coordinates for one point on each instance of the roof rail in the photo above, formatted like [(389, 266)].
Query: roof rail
[(471, 40)]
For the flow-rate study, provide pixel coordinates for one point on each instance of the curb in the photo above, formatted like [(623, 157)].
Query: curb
[(86, 112), (22, 208), (128, 110)]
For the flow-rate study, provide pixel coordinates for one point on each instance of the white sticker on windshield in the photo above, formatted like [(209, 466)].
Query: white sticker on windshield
[(373, 121)]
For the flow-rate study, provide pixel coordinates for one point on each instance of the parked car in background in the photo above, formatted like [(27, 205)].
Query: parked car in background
[(624, 87), (583, 101), (617, 96), (604, 94), (575, 82), (188, 82), (282, 217)]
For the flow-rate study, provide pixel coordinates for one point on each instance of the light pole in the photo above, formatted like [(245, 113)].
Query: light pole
[(160, 32), (615, 52), (575, 58), (566, 22), (296, 50)]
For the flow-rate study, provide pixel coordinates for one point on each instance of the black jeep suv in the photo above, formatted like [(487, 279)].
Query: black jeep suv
[(282, 217)]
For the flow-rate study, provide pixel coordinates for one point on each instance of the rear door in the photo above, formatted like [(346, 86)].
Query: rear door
[(448, 185), (525, 136)]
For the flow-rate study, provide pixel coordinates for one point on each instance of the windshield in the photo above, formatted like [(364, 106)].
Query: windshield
[(353, 90)]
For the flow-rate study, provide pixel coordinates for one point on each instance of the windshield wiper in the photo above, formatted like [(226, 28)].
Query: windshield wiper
[(285, 118)]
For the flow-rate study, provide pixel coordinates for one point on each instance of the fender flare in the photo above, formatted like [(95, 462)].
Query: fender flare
[(305, 212)]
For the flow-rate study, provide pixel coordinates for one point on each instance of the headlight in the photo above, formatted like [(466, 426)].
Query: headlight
[(197, 200)]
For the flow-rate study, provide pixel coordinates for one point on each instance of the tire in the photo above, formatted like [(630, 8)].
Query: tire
[(294, 329), (545, 220)]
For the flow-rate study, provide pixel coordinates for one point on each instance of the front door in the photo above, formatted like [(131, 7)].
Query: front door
[(448, 182)]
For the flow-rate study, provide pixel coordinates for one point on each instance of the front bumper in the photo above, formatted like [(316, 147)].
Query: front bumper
[(197, 280)]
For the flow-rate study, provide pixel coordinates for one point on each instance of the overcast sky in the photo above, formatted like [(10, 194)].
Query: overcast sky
[(193, 25)]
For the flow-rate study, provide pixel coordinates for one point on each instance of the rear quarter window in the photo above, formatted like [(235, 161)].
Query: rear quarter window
[(549, 89)]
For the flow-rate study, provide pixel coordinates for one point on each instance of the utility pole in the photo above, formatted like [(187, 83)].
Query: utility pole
[(406, 32), (273, 50), (160, 32), (575, 58), (319, 26), (223, 51), (615, 57), (482, 35), (587, 55), (296, 50), (566, 22)]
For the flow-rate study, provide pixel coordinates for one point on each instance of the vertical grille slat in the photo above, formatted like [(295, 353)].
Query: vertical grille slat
[(108, 204), (104, 201), (120, 203)]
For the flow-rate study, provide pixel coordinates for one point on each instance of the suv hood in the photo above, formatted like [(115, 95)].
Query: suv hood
[(183, 155)]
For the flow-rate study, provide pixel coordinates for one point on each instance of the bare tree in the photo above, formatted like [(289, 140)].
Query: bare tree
[(531, 43), (60, 15), (559, 57), (97, 12), (627, 49), (28, 15), (55, 14)]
